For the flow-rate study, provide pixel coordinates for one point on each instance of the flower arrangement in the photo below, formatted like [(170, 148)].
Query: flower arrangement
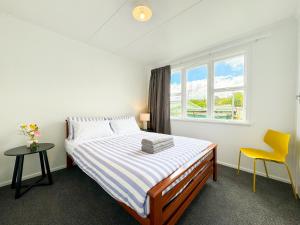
[(32, 131)]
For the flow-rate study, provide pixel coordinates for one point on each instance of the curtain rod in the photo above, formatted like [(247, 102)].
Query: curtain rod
[(216, 48)]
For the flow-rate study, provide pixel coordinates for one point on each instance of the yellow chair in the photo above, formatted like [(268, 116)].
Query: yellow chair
[(279, 142)]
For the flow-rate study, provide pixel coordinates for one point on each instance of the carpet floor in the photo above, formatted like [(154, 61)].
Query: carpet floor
[(75, 199)]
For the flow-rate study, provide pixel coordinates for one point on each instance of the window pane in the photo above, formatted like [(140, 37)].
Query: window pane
[(175, 100), (229, 105), (197, 92), (229, 72)]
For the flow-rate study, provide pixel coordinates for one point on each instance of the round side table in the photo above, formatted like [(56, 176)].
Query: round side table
[(19, 153)]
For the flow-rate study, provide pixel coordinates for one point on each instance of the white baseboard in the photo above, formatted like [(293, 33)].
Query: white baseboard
[(8, 182), (257, 172)]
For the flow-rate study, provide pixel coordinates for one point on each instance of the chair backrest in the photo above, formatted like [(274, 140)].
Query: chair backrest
[(278, 141)]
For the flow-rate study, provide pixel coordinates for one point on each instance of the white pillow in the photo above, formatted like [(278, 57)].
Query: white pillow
[(80, 119), (91, 129), (124, 126)]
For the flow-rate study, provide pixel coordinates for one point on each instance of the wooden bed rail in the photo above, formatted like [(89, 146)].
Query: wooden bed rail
[(173, 177), (167, 208)]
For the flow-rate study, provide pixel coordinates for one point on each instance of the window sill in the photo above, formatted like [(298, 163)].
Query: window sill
[(238, 123)]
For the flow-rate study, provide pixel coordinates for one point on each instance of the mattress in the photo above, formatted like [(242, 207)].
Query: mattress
[(119, 166)]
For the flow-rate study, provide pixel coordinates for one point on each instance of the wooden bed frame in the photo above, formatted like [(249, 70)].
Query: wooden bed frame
[(167, 209)]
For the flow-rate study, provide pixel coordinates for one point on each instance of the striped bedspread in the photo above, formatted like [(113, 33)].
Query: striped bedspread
[(126, 173)]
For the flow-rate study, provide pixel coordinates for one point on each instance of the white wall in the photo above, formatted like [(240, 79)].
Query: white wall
[(298, 105), (272, 99), (45, 77)]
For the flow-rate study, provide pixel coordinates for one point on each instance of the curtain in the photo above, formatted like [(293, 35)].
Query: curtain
[(159, 100)]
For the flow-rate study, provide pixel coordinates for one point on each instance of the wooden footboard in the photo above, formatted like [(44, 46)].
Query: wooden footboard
[(168, 208)]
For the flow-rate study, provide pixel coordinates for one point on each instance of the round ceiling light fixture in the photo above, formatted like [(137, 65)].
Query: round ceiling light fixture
[(142, 13)]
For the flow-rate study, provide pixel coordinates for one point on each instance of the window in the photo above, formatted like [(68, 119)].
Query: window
[(229, 77), (196, 87), (176, 107), (214, 90)]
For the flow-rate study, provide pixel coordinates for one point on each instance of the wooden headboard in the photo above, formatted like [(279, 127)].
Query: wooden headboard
[(67, 128), (70, 161)]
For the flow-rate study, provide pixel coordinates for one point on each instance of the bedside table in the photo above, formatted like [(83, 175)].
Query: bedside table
[(19, 153), (147, 130)]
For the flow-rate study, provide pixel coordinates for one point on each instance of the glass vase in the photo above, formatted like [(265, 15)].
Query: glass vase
[(32, 144)]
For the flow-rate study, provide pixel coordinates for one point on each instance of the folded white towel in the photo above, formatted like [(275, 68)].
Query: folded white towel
[(158, 149), (156, 140), (161, 144)]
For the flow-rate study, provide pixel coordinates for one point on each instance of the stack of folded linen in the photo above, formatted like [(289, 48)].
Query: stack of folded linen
[(157, 144)]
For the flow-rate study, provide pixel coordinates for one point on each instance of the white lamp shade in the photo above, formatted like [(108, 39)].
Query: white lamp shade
[(142, 13), (144, 117)]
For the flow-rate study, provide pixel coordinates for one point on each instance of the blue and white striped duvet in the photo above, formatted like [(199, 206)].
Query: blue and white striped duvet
[(126, 173)]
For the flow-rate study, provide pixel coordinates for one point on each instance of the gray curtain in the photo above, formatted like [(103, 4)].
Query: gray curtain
[(159, 100)]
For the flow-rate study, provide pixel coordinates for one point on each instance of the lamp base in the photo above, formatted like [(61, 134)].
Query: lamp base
[(145, 125)]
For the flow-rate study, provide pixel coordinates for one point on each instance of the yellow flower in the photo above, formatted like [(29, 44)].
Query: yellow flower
[(33, 126), (23, 125)]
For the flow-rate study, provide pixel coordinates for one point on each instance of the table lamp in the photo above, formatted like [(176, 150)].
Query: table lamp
[(145, 117)]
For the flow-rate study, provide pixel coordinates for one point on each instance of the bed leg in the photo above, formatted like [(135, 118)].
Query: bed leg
[(69, 161), (156, 210), (215, 166)]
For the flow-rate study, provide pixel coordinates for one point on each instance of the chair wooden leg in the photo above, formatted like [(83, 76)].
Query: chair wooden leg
[(291, 180), (266, 168), (254, 175), (239, 163)]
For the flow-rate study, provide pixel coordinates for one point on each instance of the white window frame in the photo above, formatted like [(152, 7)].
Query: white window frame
[(210, 60)]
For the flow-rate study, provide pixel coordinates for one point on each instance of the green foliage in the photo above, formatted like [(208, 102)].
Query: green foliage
[(200, 103), (238, 99), (196, 108), (223, 101), (175, 109)]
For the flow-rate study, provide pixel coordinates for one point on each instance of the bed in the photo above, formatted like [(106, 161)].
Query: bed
[(154, 188)]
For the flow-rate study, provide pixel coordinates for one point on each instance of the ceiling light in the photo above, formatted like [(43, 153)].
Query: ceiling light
[(142, 13)]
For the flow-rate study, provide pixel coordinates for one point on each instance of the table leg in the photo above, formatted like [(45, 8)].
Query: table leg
[(19, 176), (13, 183), (47, 167), (42, 164)]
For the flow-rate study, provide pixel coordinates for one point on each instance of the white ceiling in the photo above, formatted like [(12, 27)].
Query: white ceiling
[(177, 28)]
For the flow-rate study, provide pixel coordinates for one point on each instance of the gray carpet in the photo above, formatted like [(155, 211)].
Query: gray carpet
[(75, 199)]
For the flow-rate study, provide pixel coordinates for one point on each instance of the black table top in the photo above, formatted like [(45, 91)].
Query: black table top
[(23, 150)]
